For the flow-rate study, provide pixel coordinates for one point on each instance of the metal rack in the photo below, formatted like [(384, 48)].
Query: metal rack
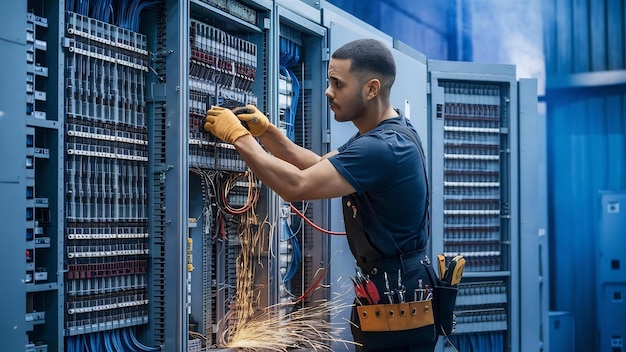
[(475, 195)]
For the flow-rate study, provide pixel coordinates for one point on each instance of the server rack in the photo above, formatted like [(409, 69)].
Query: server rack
[(475, 173), (264, 256), (473, 182), (86, 182), (228, 46)]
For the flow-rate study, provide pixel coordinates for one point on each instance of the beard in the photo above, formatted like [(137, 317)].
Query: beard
[(352, 111)]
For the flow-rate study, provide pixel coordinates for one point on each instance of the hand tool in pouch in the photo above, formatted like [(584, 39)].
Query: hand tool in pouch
[(441, 261), (388, 293), (370, 287), (454, 273), (401, 289), (359, 289)]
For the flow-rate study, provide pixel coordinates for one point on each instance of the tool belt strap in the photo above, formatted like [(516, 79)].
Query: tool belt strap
[(393, 263)]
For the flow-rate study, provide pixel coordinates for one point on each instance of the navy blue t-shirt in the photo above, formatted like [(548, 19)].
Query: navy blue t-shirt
[(385, 168)]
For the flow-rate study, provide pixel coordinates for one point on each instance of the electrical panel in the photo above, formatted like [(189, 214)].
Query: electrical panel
[(42, 161), (475, 197), (223, 66), (138, 230), (611, 279)]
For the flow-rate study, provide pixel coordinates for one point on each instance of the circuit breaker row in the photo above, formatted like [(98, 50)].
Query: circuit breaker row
[(222, 71), (473, 206), (106, 235), (472, 175)]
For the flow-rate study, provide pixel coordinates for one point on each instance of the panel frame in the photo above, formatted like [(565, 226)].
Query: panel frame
[(488, 73)]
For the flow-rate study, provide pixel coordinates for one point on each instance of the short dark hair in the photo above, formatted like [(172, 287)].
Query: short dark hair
[(371, 57)]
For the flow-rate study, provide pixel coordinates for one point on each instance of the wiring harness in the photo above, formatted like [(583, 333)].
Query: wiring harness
[(110, 341), (123, 13)]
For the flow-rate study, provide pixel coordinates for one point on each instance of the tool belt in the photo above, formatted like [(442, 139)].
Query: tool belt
[(384, 327), (436, 311), (396, 317)]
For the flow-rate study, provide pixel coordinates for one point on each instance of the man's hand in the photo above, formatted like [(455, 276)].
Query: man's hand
[(255, 120), (224, 124)]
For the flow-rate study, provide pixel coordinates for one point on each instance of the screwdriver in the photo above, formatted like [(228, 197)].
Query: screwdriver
[(388, 293)]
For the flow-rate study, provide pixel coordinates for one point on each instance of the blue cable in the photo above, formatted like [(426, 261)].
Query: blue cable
[(128, 343), (136, 13), (290, 56), (121, 338), (296, 253), (83, 342), (92, 343), (108, 10), (295, 84), (117, 343), (139, 344), (85, 8), (107, 342), (70, 344), (120, 13), (95, 10)]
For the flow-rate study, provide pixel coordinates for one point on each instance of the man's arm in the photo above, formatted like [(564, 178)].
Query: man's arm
[(318, 180), (277, 143)]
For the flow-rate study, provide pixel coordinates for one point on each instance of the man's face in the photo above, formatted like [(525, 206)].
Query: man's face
[(345, 91)]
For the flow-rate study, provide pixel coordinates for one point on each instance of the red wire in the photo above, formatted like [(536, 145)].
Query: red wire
[(315, 284), (315, 226)]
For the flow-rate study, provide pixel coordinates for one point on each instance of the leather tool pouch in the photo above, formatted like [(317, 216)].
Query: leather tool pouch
[(444, 302), (389, 326)]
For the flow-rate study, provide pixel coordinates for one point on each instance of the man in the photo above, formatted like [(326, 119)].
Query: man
[(379, 172)]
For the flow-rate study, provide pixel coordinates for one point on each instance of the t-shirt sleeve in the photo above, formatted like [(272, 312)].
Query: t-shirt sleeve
[(366, 163)]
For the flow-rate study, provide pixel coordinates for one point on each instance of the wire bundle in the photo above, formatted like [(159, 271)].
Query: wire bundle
[(230, 183), (296, 252), (127, 12), (290, 56), (118, 340)]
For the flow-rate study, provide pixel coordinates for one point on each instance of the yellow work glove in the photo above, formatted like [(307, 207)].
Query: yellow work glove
[(255, 121), (224, 124)]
